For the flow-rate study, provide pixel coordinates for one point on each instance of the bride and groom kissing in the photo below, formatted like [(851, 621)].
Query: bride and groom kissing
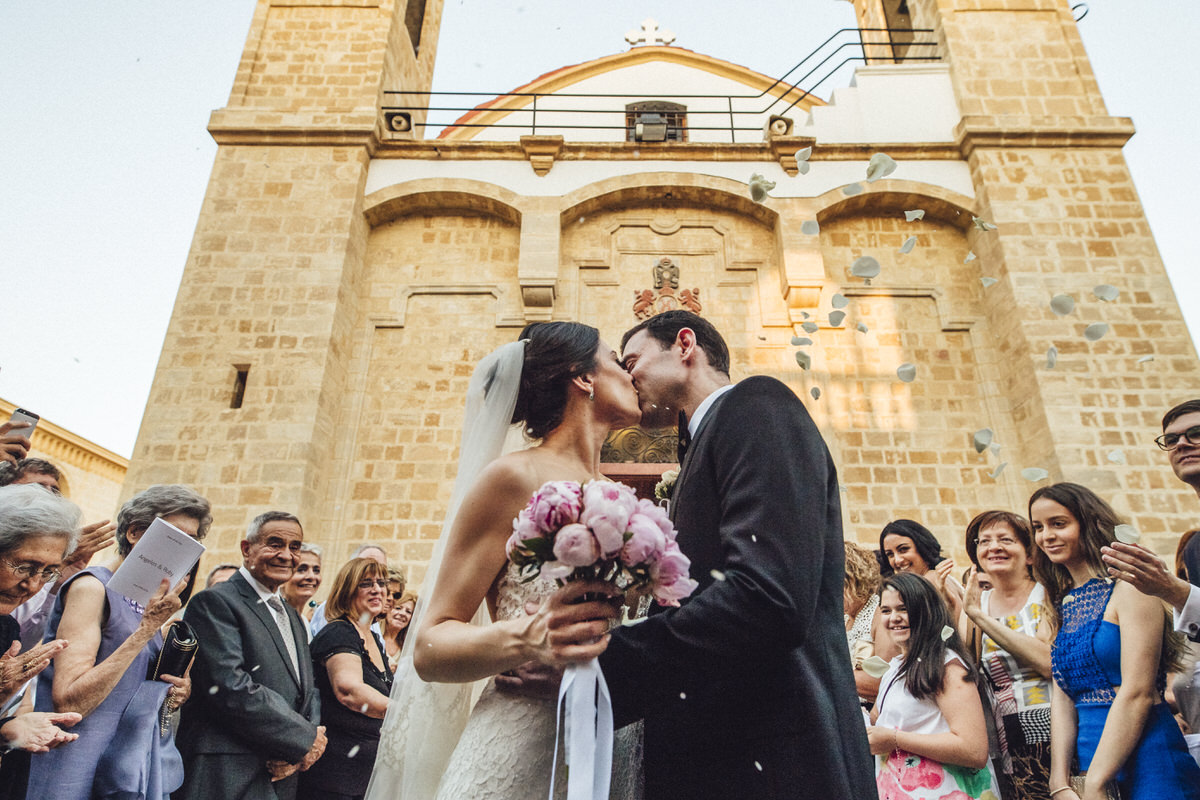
[(745, 691)]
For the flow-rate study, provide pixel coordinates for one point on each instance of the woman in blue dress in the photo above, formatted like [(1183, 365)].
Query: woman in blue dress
[(1109, 660)]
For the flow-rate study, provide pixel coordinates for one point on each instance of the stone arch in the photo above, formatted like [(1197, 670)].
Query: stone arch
[(441, 195), (661, 189), (938, 202)]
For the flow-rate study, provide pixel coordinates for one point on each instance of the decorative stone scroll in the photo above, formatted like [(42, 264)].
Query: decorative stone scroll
[(636, 446)]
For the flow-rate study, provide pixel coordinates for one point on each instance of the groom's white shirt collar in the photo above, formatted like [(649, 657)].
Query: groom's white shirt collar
[(702, 409)]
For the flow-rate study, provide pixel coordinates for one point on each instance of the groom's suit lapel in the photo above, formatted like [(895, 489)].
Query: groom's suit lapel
[(689, 460)]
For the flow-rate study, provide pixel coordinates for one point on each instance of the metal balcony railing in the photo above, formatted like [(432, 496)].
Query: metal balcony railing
[(534, 111)]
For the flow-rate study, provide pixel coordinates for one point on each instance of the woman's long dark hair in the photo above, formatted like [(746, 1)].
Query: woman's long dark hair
[(556, 353), (924, 665), (927, 545), (1097, 523)]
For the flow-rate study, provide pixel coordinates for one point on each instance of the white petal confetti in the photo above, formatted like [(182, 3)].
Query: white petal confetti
[(907, 372), (839, 301), (352, 752), (1062, 304), (1127, 534), (970, 257), (801, 341), (803, 155), (810, 227), (880, 166), (758, 766), (981, 439), (862, 327), (1145, 359), (908, 245), (852, 189), (255, 667), (999, 468), (683, 695), (212, 690), (1116, 456), (995, 447), (836, 318), (717, 574), (947, 632), (1095, 332), (1106, 293), (914, 215), (1051, 357), (803, 359), (815, 392), (988, 282), (810, 327), (982, 224), (875, 666), (865, 267), (803, 166), (804, 314), (759, 186), (1034, 474)]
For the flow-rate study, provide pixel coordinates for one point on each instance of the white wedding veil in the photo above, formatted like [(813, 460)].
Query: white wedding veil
[(425, 720)]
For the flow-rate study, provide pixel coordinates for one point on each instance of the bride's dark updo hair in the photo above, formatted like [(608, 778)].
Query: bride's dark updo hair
[(555, 353)]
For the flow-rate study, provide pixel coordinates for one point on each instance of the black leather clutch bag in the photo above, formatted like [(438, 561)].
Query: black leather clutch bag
[(178, 650)]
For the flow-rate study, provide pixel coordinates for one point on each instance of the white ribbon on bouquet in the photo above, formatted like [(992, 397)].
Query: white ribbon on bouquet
[(584, 700)]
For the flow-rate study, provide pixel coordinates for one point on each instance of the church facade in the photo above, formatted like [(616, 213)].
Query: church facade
[(348, 271)]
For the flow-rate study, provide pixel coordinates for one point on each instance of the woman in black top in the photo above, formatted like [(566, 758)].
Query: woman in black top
[(354, 681)]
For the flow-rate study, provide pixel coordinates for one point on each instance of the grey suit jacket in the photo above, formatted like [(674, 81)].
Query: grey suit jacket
[(246, 698)]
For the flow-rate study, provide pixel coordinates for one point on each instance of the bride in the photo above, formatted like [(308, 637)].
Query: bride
[(565, 387)]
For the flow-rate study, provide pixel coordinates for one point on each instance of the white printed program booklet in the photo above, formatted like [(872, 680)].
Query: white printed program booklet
[(164, 551)]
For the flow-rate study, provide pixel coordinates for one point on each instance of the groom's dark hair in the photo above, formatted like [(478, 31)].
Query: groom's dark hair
[(664, 328)]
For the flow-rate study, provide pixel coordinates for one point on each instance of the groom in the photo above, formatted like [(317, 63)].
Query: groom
[(746, 690)]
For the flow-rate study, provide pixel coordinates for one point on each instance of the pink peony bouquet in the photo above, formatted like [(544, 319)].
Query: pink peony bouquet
[(600, 530)]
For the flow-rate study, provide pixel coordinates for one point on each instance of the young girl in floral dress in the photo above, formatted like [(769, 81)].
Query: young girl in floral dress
[(929, 732)]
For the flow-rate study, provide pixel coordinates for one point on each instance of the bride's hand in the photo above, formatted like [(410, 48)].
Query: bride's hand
[(568, 629)]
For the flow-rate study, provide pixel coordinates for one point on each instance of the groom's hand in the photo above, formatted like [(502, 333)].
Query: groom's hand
[(531, 679), (576, 622)]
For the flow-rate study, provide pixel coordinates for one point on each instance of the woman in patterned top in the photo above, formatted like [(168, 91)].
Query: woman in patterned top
[(1012, 638)]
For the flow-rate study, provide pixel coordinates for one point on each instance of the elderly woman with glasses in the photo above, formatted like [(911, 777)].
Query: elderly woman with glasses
[(125, 747), (353, 677)]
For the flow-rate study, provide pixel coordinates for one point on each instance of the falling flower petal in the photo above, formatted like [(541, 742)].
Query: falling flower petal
[(1062, 304), (212, 690), (810, 327), (988, 282), (852, 189), (804, 314), (906, 372), (981, 439), (970, 257), (255, 667), (914, 215), (999, 468), (862, 327), (759, 186), (683, 695), (1145, 359), (803, 155), (1095, 332), (982, 224), (801, 341), (1127, 534), (875, 666), (803, 167), (995, 448), (1051, 357), (1034, 474), (810, 227), (717, 574), (839, 301), (836, 317), (865, 267), (803, 359), (1116, 456), (908, 245), (947, 632), (880, 166), (1106, 293), (815, 392), (758, 766)]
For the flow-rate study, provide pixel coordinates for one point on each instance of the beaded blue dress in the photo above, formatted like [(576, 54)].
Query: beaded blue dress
[(1086, 662)]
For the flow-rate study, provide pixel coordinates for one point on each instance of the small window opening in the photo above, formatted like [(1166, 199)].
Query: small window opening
[(239, 385)]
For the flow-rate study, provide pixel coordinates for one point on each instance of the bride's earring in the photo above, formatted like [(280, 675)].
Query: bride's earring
[(592, 395)]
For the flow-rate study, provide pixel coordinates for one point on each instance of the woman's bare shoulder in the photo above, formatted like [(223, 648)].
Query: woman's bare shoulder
[(510, 476)]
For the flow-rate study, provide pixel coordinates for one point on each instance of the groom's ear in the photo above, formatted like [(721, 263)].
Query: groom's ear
[(686, 340)]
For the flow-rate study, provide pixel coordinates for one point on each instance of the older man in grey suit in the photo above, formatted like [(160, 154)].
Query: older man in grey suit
[(251, 725)]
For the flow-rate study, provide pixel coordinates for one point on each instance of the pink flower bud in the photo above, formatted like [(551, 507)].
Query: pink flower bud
[(575, 546)]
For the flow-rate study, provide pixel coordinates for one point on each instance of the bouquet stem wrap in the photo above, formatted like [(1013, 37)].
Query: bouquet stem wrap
[(584, 701)]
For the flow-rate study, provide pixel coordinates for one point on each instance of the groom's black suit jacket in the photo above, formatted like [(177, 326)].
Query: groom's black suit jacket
[(746, 690)]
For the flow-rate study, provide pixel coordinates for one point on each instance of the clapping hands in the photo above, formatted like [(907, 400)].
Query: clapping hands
[(16, 667)]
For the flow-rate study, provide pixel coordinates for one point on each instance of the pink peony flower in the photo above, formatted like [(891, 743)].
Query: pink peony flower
[(555, 504), (646, 541), (659, 516), (607, 507), (670, 576), (574, 545)]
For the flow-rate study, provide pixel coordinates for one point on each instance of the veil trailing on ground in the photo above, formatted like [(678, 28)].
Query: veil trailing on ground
[(425, 720)]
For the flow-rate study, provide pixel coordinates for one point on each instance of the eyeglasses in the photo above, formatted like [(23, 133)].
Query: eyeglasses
[(1169, 441), (25, 571), (369, 584)]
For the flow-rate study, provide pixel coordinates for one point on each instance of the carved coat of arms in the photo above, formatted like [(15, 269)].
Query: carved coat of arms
[(650, 302)]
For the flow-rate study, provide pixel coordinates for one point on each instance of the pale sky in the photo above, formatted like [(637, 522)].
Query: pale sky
[(104, 156)]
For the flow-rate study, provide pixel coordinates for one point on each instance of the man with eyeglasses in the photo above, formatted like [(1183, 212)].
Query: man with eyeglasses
[(1141, 567)]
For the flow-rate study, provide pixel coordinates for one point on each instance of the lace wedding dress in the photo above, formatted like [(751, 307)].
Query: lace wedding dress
[(506, 750)]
